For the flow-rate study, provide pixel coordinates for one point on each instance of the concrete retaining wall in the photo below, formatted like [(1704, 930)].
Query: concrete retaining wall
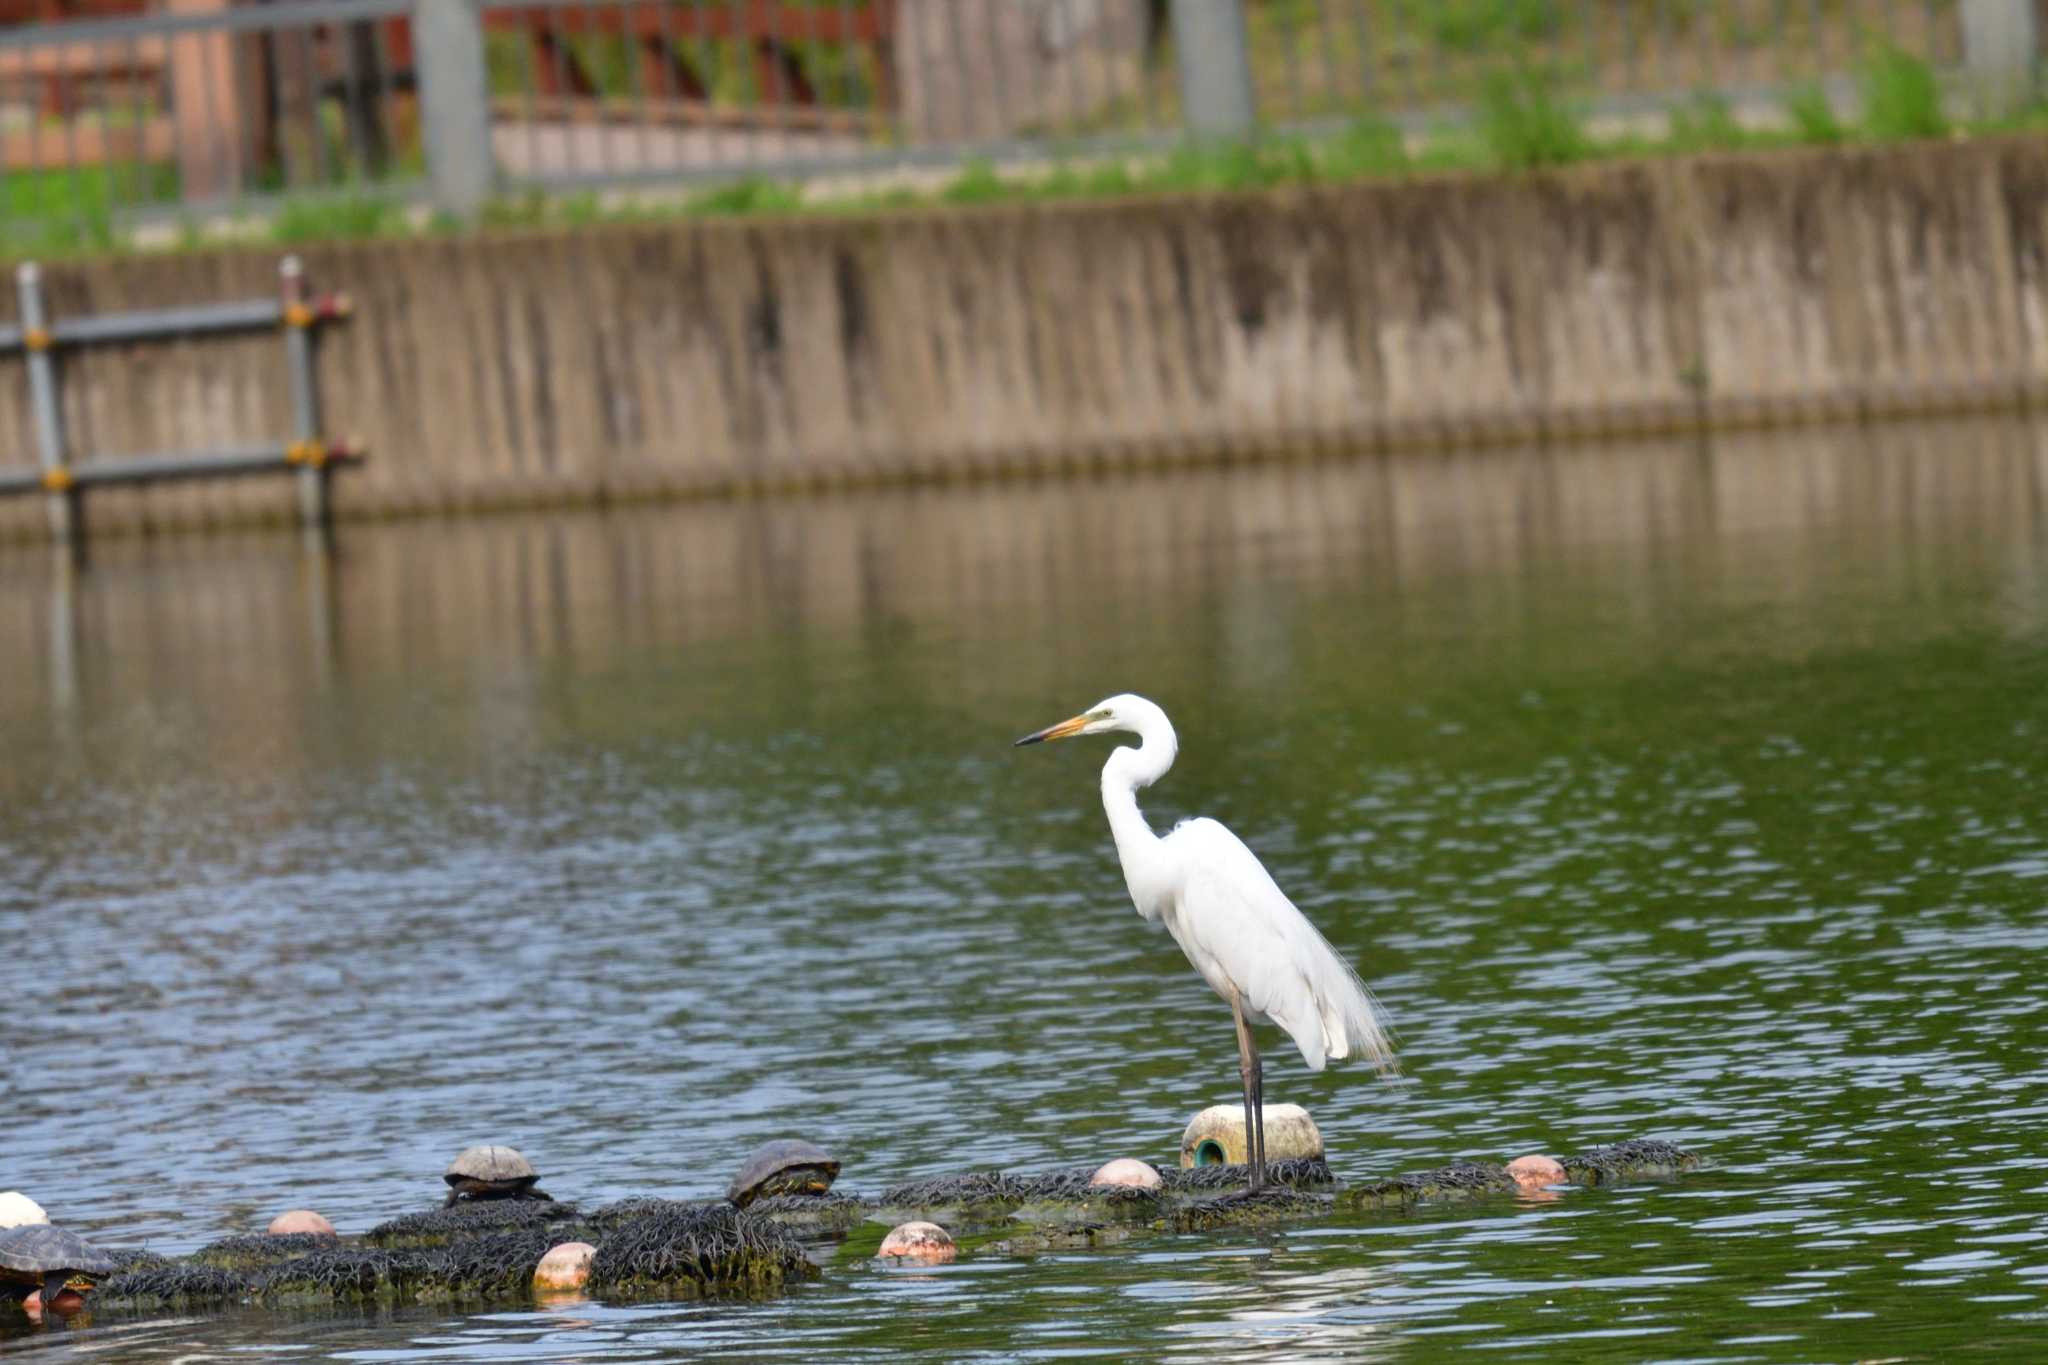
[(686, 359)]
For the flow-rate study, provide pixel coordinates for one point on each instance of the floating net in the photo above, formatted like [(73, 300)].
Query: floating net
[(973, 1187), (258, 1249), (170, 1284), (438, 1227), (1620, 1160), (607, 1216), (1453, 1181), (1301, 1173), (811, 1212), (344, 1275), (1242, 1207), (502, 1263), (699, 1249), (126, 1259), (995, 1189)]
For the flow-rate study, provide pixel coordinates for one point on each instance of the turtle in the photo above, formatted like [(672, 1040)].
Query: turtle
[(46, 1257), (785, 1166), (492, 1173)]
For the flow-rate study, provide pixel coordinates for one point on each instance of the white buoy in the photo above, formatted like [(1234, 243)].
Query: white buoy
[(17, 1210), (1127, 1170), (924, 1243), (1215, 1137)]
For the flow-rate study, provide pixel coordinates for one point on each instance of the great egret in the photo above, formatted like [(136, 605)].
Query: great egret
[(1236, 926)]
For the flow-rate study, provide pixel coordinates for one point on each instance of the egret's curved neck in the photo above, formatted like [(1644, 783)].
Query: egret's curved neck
[(1127, 770)]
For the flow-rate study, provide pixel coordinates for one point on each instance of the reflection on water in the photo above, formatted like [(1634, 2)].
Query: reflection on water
[(1657, 790)]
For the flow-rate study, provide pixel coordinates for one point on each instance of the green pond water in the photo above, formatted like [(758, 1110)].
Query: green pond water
[(1691, 792)]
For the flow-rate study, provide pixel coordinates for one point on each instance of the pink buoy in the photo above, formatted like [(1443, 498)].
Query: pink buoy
[(1535, 1171), (566, 1266), (1127, 1170), (300, 1220), (924, 1243)]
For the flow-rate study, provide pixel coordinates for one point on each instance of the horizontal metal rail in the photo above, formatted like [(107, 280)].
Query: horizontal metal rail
[(280, 458), (254, 19), (157, 324)]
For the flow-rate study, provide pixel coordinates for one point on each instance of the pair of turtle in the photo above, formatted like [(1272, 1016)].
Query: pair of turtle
[(786, 1166), (46, 1257)]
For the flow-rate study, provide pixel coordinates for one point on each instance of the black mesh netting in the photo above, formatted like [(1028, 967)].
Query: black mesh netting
[(996, 1187), (471, 1219), (973, 1187), (807, 1211), (607, 1216), (1301, 1173), (471, 1267), (1619, 1160), (170, 1284), (1464, 1177), (1249, 1206), (126, 1259), (346, 1275), (703, 1248), (260, 1249)]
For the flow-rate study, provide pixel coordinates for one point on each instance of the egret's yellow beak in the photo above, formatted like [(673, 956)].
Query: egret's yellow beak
[(1071, 726)]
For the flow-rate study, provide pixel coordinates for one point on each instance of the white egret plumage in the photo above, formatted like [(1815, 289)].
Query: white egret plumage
[(1238, 929)]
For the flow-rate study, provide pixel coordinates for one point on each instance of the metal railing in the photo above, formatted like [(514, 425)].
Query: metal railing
[(353, 105)]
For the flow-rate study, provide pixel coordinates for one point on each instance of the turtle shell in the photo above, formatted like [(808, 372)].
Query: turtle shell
[(785, 1166), (40, 1248), (491, 1166)]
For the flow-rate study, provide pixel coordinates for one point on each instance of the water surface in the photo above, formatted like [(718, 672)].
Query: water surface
[(1660, 791)]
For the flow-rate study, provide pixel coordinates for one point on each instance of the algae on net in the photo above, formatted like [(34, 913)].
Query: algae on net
[(1297, 1172), (811, 1214), (1633, 1159), (697, 1249), (148, 1287), (1240, 1208), (471, 1218), (487, 1266), (254, 1250)]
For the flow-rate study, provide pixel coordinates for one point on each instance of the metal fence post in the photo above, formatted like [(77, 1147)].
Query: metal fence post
[(2001, 44), (305, 450), (42, 396), (1216, 93), (455, 107)]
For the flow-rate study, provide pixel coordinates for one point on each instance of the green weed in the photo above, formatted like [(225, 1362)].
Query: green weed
[(1524, 121), (1901, 97), (1813, 117)]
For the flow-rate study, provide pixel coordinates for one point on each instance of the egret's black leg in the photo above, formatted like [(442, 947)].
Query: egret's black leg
[(1248, 1073), (1255, 1137)]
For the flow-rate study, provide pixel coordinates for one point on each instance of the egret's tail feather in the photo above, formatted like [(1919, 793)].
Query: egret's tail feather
[(1352, 1021)]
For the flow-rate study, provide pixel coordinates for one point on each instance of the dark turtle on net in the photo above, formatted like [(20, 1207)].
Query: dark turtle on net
[(492, 1173), (785, 1166), (48, 1258)]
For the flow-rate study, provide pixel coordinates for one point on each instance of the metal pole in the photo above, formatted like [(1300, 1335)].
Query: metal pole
[(2001, 43), (1216, 92), (49, 414), (455, 108), (305, 450)]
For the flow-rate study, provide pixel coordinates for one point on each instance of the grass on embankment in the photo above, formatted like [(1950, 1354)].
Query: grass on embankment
[(1521, 122)]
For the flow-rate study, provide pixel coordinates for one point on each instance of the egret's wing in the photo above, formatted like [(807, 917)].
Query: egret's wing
[(1231, 912)]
